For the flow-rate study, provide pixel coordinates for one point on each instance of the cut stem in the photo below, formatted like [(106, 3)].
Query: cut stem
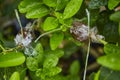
[(18, 18), (58, 29), (88, 50)]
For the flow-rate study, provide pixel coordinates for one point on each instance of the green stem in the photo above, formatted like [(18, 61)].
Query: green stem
[(119, 29), (103, 42), (58, 29), (12, 49), (2, 47), (8, 50), (33, 24), (88, 50)]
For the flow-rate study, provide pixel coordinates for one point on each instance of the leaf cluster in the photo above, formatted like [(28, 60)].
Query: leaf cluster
[(56, 18)]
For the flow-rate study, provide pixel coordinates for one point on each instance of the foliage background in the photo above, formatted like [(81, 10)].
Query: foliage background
[(58, 55)]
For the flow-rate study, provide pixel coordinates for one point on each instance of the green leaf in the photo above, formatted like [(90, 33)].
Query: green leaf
[(110, 32), (75, 68), (50, 23), (92, 75), (73, 77), (40, 52), (59, 15), (97, 75), (68, 22), (111, 49), (26, 6), (112, 4), (56, 39), (15, 76), (22, 70), (115, 16), (32, 63), (48, 73), (59, 53), (33, 9), (57, 77), (33, 75), (40, 73), (108, 74), (61, 4), (111, 61), (52, 71), (50, 3), (63, 28), (96, 4), (37, 12), (39, 48), (72, 8), (12, 59), (50, 61)]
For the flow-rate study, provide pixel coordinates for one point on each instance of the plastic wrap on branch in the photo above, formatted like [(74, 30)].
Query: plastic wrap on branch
[(25, 38), (95, 37), (80, 32)]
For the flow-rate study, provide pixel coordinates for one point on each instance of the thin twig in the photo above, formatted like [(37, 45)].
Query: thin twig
[(47, 33), (33, 24), (88, 50), (18, 18), (2, 47)]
